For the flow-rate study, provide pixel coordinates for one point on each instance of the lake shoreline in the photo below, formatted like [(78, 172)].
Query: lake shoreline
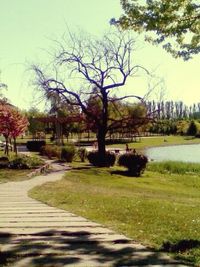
[(179, 152)]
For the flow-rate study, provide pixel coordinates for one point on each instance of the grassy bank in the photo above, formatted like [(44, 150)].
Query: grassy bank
[(17, 172), (159, 209), (7, 175), (176, 167), (146, 142)]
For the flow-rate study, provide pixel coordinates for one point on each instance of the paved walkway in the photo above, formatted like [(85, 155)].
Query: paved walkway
[(34, 234)]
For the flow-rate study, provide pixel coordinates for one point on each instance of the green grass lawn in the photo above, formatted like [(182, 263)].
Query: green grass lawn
[(158, 209), (7, 175)]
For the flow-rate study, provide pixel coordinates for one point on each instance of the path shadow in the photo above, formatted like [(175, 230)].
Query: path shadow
[(59, 248)]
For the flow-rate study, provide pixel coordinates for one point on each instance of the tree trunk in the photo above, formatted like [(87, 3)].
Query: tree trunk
[(88, 135), (15, 146), (101, 139), (6, 151), (58, 134), (102, 129)]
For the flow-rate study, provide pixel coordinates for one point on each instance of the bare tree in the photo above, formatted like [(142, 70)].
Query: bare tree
[(98, 68)]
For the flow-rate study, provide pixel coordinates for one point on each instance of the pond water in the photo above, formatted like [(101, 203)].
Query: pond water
[(186, 153)]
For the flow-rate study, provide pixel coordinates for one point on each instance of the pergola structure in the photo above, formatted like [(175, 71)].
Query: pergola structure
[(59, 122)]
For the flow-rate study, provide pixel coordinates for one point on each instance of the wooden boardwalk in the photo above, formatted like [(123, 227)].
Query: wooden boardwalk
[(34, 234)]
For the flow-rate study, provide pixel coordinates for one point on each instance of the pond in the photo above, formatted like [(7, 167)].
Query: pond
[(186, 153)]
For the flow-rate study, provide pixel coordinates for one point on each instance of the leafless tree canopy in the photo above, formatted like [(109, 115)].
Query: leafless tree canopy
[(100, 68)]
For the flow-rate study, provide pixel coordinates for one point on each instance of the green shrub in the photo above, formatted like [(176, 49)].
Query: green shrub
[(42, 151), (51, 151), (136, 163), (68, 153), (25, 162), (65, 153), (96, 159), (82, 153), (192, 129), (4, 162)]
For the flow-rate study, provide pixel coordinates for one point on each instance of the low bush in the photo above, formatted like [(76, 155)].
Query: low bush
[(82, 153), (96, 159), (136, 163), (65, 153), (51, 151), (4, 162), (68, 153), (35, 145), (25, 162)]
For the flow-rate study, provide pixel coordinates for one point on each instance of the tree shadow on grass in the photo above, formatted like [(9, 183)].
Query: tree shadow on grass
[(180, 246), (55, 248), (85, 167), (123, 173)]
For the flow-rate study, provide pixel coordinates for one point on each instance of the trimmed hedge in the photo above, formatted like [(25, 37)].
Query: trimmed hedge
[(68, 153), (96, 159), (65, 153), (35, 145), (136, 163)]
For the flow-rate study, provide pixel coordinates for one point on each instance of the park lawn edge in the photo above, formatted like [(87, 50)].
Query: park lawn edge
[(13, 175), (158, 141), (49, 192)]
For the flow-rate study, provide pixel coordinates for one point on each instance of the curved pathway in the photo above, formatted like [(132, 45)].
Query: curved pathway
[(34, 234)]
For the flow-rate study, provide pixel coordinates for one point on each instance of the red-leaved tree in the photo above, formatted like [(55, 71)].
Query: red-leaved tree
[(12, 124)]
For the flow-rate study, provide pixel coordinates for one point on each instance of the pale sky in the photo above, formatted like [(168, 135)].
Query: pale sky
[(28, 27)]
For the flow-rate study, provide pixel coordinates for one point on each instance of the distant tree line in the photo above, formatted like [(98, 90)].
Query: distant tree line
[(173, 110), (167, 117), (174, 117)]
